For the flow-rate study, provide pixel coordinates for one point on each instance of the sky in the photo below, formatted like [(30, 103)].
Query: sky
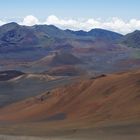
[(116, 15)]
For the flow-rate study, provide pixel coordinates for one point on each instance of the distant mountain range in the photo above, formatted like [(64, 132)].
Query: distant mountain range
[(41, 48), (12, 34)]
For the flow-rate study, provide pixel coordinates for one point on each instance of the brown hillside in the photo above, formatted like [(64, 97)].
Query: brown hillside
[(114, 97)]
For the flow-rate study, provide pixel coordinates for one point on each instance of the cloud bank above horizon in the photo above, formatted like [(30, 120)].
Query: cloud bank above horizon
[(114, 24)]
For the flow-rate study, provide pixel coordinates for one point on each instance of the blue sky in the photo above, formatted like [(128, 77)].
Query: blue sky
[(117, 15), (71, 8)]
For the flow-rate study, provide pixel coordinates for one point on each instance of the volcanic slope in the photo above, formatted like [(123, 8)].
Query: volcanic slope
[(110, 98)]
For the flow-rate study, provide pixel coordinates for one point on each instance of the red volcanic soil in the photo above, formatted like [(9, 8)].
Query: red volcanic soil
[(129, 62), (114, 97), (68, 70), (84, 50)]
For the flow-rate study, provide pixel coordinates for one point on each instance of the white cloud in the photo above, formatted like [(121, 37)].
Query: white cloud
[(30, 20), (70, 23), (2, 22), (115, 24)]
